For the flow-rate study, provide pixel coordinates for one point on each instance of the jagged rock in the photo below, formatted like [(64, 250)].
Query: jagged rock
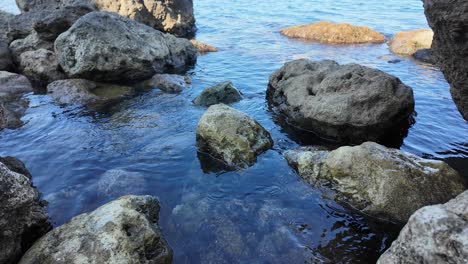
[(84, 92), (224, 93), (103, 46), (347, 103), (331, 33), (168, 83), (449, 21), (23, 217), (408, 42), (123, 231), (232, 136), (202, 47), (382, 182), (434, 234), (41, 66)]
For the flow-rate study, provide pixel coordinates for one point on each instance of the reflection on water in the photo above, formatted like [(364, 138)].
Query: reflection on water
[(263, 214)]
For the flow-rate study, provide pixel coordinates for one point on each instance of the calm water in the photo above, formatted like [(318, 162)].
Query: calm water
[(264, 214)]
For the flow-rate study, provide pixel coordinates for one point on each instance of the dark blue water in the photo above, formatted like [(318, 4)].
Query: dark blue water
[(264, 214)]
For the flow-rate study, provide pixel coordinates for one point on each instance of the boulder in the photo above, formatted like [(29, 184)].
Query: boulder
[(331, 33), (103, 46), (6, 62), (449, 21), (173, 16), (5, 19), (382, 182), (23, 217), (30, 43), (425, 55), (346, 103), (123, 231), (408, 42), (13, 84), (434, 234), (202, 47), (224, 93), (168, 83), (84, 92), (232, 136), (41, 66)]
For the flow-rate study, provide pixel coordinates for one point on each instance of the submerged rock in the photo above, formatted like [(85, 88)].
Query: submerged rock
[(224, 93), (425, 55), (23, 217), (13, 84), (331, 33), (382, 182), (168, 83), (84, 92), (103, 46), (202, 47), (41, 66), (123, 231), (449, 20), (434, 234), (232, 136), (347, 103), (407, 43)]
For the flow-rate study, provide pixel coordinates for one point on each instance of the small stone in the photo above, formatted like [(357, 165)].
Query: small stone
[(224, 93)]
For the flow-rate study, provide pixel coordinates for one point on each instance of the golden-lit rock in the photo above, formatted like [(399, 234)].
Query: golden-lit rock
[(202, 47), (331, 33), (408, 42)]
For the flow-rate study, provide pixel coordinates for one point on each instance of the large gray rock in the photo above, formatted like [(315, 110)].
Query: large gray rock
[(6, 62), (41, 66), (23, 217), (449, 21), (223, 93), (13, 84), (232, 136), (84, 92), (386, 183), (348, 103), (5, 19), (434, 234), (123, 231), (103, 46)]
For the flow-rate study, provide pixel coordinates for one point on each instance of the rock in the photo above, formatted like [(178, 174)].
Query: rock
[(434, 234), (23, 217), (11, 111), (103, 46), (31, 43), (168, 83), (6, 62), (41, 66), (13, 84), (39, 5), (175, 17), (407, 43), (331, 33), (232, 136), (425, 55), (123, 231), (115, 182), (382, 182), (346, 103), (449, 20), (202, 47), (5, 19), (84, 92), (224, 93)]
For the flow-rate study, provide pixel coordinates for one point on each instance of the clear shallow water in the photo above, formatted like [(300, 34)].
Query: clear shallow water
[(264, 214)]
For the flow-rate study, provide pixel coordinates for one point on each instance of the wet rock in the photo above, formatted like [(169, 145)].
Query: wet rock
[(13, 84), (123, 231), (11, 111), (103, 46), (425, 55), (346, 103), (6, 62), (382, 182), (84, 92), (449, 20), (407, 43), (434, 234), (331, 33), (224, 93), (168, 83), (41, 66), (23, 217), (202, 47), (232, 136)]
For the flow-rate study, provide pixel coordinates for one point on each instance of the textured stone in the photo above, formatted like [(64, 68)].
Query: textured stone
[(168, 83), (224, 93), (408, 42), (13, 84), (41, 66), (202, 47)]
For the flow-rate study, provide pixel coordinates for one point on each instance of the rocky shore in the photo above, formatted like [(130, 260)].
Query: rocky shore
[(99, 53)]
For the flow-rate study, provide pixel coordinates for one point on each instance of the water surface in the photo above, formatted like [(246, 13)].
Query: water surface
[(264, 214)]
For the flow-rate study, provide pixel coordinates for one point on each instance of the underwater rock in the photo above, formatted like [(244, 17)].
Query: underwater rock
[(222, 93)]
